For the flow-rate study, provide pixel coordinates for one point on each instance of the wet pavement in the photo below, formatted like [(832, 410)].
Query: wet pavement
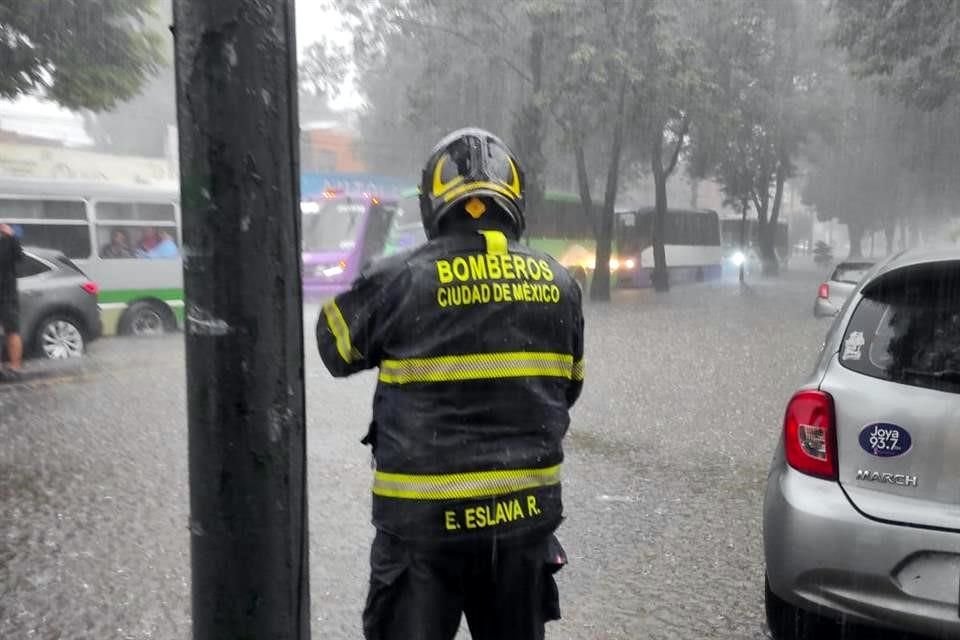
[(666, 464)]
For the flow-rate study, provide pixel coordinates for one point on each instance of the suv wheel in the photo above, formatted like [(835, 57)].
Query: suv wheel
[(787, 622), (59, 337)]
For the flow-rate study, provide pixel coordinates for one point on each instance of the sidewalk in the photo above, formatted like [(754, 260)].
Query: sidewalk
[(45, 370)]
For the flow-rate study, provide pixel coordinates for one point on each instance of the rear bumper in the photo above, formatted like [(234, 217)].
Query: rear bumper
[(823, 556), (823, 308)]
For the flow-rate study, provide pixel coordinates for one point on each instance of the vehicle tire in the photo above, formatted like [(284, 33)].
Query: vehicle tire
[(787, 622), (59, 337), (146, 318)]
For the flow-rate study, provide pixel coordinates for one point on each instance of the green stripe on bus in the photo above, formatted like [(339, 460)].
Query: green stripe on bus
[(128, 295)]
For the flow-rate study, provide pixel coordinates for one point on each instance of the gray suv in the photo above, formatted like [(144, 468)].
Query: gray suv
[(861, 519), (58, 305)]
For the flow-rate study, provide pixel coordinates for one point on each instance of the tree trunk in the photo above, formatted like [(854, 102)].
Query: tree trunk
[(600, 287), (741, 272), (855, 231), (889, 233), (583, 186), (768, 228), (660, 277), (529, 132)]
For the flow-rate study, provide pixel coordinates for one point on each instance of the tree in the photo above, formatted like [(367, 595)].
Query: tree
[(628, 74), (772, 96), (83, 55), (911, 51), (589, 91), (141, 124), (911, 48), (426, 68), (886, 165), (322, 70), (670, 96)]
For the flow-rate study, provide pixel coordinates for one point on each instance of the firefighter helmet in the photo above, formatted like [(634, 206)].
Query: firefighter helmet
[(470, 167)]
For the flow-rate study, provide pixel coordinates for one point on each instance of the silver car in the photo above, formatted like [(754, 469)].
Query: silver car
[(838, 287), (861, 519), (58, 305)]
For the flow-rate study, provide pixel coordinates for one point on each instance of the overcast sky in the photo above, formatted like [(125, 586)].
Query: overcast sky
[(314, 22)]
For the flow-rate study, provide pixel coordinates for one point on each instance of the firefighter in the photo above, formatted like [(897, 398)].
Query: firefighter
[(479, 344)]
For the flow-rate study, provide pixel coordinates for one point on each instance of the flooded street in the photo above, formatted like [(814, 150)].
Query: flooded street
[(666, 464)]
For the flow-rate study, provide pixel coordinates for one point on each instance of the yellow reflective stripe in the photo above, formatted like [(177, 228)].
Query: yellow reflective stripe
[(577, 370), (476, 186), (477, 366), (341, 332), (496, 242), (456, 486), (439, 186)]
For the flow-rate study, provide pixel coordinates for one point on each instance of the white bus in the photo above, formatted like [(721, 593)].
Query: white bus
[(126, 238), (691, 243)]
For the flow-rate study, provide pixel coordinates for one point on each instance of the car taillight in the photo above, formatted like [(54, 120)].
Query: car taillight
[(810, 436), (91, 287), (824, 291)]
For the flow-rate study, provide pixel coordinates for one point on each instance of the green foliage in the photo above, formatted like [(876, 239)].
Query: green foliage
[(911, 48), (83, 55), (773, 93), (323, 68)]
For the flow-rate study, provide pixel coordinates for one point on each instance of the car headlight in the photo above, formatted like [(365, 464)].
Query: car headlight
[(738, 258), (614, 264), (630, 263), (333, 271), (328, 271)]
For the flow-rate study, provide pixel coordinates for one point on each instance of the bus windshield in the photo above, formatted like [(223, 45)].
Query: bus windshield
[(331, 226)]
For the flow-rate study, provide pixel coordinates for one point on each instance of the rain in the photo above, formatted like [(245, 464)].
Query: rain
[(755, 200)]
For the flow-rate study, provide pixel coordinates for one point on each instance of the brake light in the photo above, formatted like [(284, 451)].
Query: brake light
[(810, 435), (91, 287), (824, 291)]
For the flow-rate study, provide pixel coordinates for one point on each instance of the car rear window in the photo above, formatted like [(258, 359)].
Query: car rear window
[(906, 329), (851, 272), (30, 266), (69, 264)]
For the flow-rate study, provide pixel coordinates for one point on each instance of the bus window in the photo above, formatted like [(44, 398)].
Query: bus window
[(136, 230), (378, 228), (139, 211), (43, 209), (140, 241), (331, 226), (51, 224)]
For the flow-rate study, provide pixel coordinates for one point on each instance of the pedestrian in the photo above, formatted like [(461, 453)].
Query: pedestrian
[(119, 246), (479, 344), (10, 254), (149, 239), (166, 246)]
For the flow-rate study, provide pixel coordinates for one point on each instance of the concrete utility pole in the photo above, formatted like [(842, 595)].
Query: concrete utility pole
[(237, 113)]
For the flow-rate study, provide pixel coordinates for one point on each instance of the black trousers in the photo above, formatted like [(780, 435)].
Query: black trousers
[(507, 592)]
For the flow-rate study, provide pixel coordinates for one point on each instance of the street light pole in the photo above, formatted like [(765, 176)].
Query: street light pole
[(239, 179)]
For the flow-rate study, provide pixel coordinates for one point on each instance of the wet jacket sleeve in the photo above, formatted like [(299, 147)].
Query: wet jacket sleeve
[(352, 327), (576, 380)]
